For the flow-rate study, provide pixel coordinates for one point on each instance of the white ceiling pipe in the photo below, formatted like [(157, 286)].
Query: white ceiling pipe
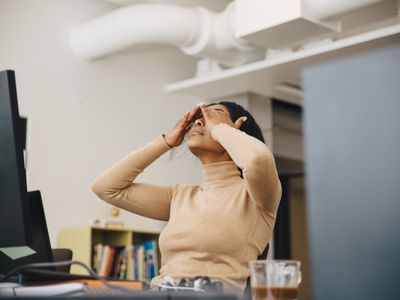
[(217, 40), (325, 9), (197, 32), (134, 25)]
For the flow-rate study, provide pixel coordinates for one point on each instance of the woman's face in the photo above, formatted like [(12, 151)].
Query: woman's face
[(200, 140)]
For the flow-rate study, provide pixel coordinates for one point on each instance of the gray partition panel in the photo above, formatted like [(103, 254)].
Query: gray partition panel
[(352, 146)]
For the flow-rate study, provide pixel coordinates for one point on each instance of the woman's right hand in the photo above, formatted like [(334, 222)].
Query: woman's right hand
[(176, 135)]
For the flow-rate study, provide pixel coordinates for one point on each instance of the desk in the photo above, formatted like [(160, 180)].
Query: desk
[(151, 295), (84, 288)]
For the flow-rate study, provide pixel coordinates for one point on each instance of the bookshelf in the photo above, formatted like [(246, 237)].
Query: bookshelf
[(118, 253)]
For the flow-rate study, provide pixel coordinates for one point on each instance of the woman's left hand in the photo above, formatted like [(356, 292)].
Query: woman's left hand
[(214, 117)]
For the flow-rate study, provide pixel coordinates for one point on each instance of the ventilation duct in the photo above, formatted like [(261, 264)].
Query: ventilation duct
[(196, 31), (322, 10), (224, 37)]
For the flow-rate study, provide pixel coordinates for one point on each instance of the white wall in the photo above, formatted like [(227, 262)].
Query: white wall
[(85, 115)]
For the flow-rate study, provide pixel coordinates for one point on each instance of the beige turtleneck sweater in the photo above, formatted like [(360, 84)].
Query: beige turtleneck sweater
[(213, 229)]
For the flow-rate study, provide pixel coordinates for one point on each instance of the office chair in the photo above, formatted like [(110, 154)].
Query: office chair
[(62, 254), (247, 290)]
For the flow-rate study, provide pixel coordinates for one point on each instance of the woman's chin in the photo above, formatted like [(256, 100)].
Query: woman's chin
[(192, 145), (195, 141), (195, 147)]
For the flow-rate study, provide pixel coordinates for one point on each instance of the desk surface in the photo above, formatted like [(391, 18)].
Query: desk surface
[(92, 289), (150, 295)]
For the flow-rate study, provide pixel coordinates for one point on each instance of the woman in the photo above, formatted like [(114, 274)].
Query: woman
[(213, 229)]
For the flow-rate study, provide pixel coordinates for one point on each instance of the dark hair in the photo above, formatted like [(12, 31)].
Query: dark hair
[(250, 126)]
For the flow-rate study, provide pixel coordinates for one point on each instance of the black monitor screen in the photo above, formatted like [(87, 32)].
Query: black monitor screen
[(14, 216), (40, 246)]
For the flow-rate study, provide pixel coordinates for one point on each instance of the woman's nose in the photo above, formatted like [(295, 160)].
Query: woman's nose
[(199, 122)]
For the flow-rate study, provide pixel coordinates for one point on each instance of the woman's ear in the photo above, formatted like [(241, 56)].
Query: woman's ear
[(239, 122)]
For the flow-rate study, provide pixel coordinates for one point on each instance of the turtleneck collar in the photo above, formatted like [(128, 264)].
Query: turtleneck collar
[(218, 174)]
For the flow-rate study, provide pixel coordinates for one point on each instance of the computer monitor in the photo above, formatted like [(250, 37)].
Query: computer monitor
[(352, 130), (40, 245), (14, 214), (23, 230)]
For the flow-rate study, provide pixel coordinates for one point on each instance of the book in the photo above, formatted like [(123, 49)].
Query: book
[(118, 261), (97, 256), (103, 262), (129, 262), (109, 260), (123, 264), (150, 259), (140, 263), (134, 262)]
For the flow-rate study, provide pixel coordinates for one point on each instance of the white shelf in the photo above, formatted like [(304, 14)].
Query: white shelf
[(264, 77)]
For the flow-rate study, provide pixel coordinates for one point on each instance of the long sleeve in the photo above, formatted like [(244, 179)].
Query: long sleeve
[(116, 185), (257, 163)]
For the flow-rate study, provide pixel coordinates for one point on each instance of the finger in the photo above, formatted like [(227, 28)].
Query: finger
[(183, 121), (239, 122), (184, 117), (187, 129), (194, 113), (204, 111), (197, 115)]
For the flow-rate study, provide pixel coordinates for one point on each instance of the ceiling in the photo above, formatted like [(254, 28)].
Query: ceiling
[(215, 5)]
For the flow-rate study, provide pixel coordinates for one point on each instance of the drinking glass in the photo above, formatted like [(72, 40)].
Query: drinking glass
[(275, 279)]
